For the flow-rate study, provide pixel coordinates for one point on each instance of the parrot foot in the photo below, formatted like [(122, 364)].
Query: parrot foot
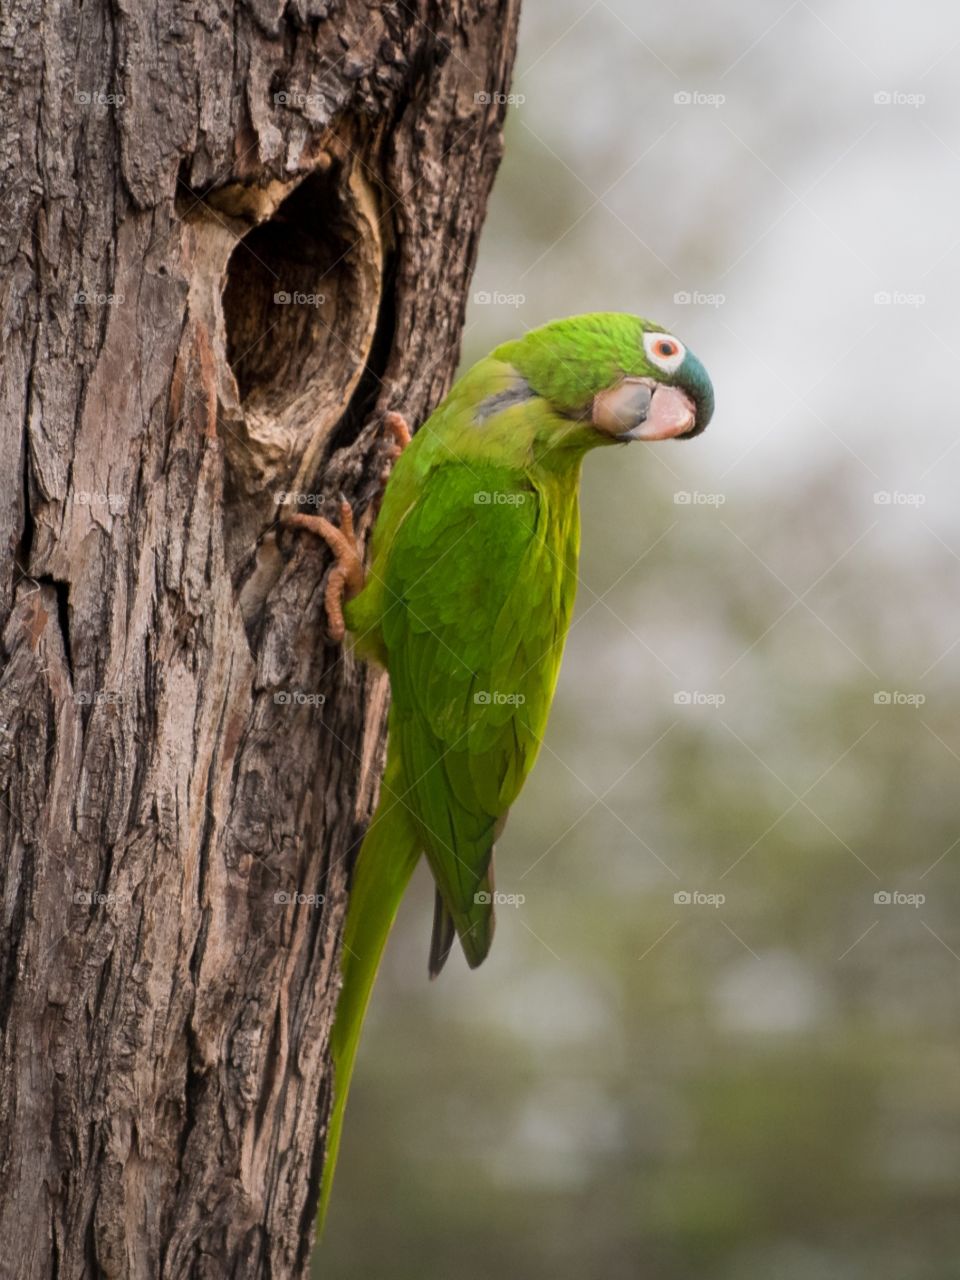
[(346, 576), (396, 424)]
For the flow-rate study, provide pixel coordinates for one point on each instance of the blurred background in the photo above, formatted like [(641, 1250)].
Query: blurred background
[(719, 1035)]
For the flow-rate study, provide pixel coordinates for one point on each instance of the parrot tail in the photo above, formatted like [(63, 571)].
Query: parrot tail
[(441, 940), (387, 857)]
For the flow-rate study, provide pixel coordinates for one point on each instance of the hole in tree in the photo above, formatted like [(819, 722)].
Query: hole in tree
[(297, 303)]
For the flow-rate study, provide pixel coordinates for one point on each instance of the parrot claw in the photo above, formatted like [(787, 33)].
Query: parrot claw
[(346, 576), (397, 426)]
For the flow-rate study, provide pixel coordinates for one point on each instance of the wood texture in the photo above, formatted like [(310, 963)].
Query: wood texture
[(180, 746)]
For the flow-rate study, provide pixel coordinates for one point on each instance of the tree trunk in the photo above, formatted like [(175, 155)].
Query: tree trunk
[(231, 239)]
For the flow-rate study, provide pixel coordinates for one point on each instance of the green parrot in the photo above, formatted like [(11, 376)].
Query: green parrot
[(467, 604)]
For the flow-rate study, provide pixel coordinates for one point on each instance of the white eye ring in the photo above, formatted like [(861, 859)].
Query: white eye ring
[(664, 350)]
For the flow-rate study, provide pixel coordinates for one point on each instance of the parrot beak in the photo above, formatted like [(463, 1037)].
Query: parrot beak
[(641, 409)]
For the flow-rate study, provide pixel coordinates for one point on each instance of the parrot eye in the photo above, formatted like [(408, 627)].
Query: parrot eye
[(665, 351)]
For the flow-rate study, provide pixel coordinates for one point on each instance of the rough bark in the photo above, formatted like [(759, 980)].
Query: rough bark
[(167, 767)]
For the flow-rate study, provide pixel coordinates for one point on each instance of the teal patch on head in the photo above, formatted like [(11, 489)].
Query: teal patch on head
[(695, 380)]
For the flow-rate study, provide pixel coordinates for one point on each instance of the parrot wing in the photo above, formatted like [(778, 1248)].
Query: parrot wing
[(474, 620)]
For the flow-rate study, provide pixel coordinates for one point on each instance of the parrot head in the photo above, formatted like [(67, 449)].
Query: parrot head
[(611, 378)]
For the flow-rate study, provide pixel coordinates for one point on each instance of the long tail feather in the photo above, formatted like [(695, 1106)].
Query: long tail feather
[(441, 940), (387, 857)]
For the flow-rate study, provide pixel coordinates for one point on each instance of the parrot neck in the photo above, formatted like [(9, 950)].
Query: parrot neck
[(560, 444), (539, 440), (557, 464)]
